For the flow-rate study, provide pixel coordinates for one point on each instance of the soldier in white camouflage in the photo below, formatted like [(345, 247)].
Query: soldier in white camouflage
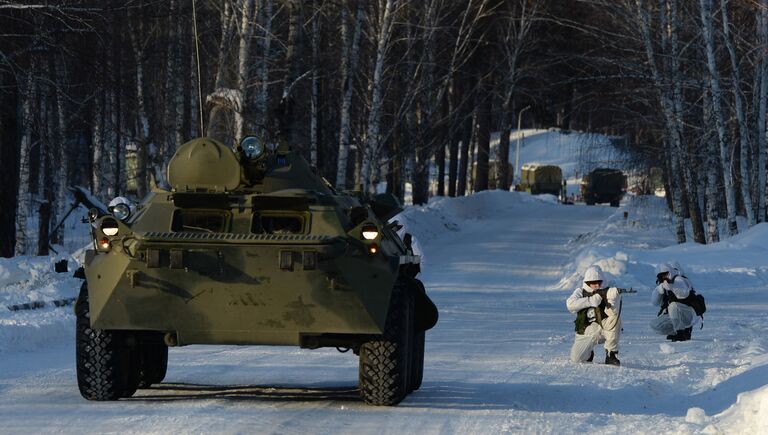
[(598, 311)]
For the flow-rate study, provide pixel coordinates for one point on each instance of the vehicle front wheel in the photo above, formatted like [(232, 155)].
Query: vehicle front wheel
[(385, 361), (417, 360), (152, 355), (104, 366)]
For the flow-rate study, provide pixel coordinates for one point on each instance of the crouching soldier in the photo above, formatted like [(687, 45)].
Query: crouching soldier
[(676, 315), (597, 312)]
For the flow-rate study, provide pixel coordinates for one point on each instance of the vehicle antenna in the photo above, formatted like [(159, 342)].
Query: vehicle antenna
[(197, 60)]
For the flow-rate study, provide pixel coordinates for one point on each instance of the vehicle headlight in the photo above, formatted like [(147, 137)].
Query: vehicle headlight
[(109, 227), (121, 211), (370, 232), (252, 146)]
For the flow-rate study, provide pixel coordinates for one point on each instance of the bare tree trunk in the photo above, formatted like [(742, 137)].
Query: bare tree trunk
[(178, 88), (24, 207), (713, 234), (314, 109), (687, 178), (740, 117), (168, 138), (142, 129), (761, 120), (287, 119), (453, 138), (243, 64), (515, 35), (466, 137), (373, 143), (730, 196), (219, 120), (348, 67), (670, 119), (10, 126), (97, 147), (483, 142), (263, 93), (62, 148)]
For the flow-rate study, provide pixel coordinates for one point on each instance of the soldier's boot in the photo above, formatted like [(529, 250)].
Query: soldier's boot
[(672, 337), (687, 333), (683, 334), (610, 358), (591, 356)]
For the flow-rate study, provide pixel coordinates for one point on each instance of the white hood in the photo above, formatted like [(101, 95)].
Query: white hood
[(593, 273)]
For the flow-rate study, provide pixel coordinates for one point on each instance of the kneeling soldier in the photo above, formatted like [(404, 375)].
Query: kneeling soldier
[(597, 312), (676, 316)]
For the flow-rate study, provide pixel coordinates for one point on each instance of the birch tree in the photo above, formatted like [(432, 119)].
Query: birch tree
[(514, 31), (713, 233), (672, 126), (348, 65), (24, 206), (243, 63), (717, 111), (738, 106), (762, 73), (142, 121), (372, 150)]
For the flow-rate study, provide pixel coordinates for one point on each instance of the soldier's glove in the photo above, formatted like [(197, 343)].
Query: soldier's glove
[(660, 289), (594, 300)]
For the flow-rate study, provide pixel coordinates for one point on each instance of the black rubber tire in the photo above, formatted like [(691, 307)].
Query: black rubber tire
[(152, 363), (385, 361), (614, 203), (103, 361), (417, 361)]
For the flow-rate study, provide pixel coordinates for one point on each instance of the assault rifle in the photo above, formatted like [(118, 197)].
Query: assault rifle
[(603, 292)]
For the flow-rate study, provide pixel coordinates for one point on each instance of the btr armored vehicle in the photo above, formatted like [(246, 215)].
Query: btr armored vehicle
[(249, 247), (604, 185)]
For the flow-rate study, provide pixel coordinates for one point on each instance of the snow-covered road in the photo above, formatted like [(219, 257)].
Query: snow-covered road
[(499, 266)]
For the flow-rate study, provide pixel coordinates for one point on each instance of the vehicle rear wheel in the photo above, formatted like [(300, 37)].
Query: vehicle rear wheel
[(104, 367), (385, 361), (152, 361)]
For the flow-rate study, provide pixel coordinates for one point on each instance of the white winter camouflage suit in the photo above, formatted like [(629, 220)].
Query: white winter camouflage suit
[(608, 331), (679, 316)]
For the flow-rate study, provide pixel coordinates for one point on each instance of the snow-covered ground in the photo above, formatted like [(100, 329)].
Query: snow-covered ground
[(499, 266)]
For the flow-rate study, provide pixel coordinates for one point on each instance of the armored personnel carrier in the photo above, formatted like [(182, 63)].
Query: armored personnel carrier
[(249, 247)]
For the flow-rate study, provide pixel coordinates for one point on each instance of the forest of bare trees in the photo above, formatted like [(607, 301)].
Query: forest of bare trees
[(101, 93)]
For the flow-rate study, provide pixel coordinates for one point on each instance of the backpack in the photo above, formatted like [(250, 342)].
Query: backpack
[(696, 301)]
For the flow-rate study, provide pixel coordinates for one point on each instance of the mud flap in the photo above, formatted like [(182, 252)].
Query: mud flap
[(425, 309)]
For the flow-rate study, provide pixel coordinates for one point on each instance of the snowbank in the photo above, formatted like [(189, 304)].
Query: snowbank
[(33, 279), (749, 415)]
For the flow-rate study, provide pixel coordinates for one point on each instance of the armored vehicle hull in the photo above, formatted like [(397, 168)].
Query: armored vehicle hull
[(251, 251)]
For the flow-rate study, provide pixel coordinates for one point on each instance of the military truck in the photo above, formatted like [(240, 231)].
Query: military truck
[(603, 185), (249, 247), (537, 179), (494, 172)]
